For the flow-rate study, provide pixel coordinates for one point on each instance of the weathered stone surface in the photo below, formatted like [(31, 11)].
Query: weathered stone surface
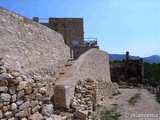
[(7, 114), (92, 64), (11, 118), (85, 96), (24, 105), (28, 90), (1, 63), (34, 103), (20, 94), (13, 98), (39, 96), (19, 102), (36, 116), (15, 74), (5, 97), (13, 106), (24, 118), (22, 85), (82, 115), (3, 82), (1, 115), (47, 109), (29, 46), (5, 108), (5, 76), (12, 90), (43, 90), (22, 114), (36, 109), (13, 82), (3, 89)]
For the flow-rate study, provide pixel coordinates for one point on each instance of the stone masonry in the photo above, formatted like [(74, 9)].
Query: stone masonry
[(70, 28), (73, 34), (29, 46), (93, 64), (37, 76), (22, 99)]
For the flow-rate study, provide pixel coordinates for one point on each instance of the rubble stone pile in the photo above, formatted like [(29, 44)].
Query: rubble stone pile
[(84, 101), (105, 89), (88, 93), (21, 99)]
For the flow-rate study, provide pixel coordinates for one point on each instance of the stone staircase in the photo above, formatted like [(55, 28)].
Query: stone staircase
[(64, 68)]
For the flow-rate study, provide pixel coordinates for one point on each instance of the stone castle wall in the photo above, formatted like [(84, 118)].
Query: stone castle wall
[(130, 72), (70, 28), (93, 64), (29, 46)]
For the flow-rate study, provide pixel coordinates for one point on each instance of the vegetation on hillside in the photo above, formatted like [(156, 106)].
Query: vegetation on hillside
[(117, 61), (152, 71)]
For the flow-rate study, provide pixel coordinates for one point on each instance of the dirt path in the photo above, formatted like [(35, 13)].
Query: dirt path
[(146, 107)]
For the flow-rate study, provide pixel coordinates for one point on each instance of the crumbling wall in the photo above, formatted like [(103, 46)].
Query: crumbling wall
[(22, 99), (29, 46), (93, 64), (130, 72), (87, 95)]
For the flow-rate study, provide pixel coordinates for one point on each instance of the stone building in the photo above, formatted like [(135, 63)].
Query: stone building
[(73, 33), (131, 71)]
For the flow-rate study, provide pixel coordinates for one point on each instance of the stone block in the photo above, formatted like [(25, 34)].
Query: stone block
[(13, 106), (22, 114), (3, 89), (47, 109), (82, 115), (36, 116), (12, 90), (24, 105), (1, 114), (5, 97), (3, 83)]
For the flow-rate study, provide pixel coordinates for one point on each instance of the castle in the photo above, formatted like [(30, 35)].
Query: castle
[(73, 34), (131, 71)]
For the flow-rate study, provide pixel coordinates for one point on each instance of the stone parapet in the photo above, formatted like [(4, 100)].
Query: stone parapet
[(92, 64)]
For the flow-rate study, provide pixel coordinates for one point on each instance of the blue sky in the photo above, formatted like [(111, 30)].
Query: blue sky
[(119, 25)]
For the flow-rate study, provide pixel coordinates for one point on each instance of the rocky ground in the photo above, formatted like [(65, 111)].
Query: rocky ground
[(146, 107)]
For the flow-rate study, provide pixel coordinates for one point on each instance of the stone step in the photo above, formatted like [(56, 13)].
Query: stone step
[(71, 59), (68, 64), (62, 73)]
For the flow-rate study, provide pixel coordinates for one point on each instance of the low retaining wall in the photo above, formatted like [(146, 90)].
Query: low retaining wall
[(92, 64)]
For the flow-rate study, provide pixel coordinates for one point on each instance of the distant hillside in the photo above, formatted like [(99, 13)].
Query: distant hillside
[(150, 59)]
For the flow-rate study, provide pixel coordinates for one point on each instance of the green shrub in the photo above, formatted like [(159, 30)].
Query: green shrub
[(134, 99), (57, 111), (110, 115)]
